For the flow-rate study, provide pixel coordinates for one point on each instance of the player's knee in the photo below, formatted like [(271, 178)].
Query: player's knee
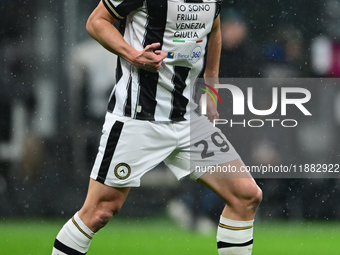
[(253, 194), (251, 197), (104, 215), (257, 196)]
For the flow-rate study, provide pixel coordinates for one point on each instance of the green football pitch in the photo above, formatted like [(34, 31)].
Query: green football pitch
[(162, 236)]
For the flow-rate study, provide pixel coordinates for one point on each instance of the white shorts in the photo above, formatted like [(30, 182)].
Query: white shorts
[(129, 148)]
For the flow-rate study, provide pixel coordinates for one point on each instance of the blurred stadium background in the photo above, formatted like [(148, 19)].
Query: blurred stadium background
[(54, 86)]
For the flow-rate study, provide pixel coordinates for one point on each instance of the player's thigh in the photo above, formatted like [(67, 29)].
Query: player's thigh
[(100, 193), (231, 185)]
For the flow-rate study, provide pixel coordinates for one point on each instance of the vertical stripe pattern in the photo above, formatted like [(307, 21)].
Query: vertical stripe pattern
[(127, 110), (119, 71), (109, 150), (179, 102), (157, 17)]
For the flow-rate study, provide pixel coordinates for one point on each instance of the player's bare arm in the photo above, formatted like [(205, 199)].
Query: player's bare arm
[(99, 26), (212, 65)]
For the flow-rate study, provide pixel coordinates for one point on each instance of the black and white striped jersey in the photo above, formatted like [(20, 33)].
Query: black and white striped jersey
[(182, 28)]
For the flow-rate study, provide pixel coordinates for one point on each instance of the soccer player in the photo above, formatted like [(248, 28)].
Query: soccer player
[(163, 46)]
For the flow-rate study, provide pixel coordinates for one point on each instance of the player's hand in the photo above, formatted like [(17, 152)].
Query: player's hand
[(150, 58), (212, 112)]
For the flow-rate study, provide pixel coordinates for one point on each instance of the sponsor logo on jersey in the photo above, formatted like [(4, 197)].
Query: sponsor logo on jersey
[(171, 55), (196, 54), (193, 57), (122, 171)]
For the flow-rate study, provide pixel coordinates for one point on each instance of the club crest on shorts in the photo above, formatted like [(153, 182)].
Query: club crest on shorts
[(122, 171)]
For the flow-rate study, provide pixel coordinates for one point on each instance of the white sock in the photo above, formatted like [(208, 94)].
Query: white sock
[(73, 239), (234, 237)]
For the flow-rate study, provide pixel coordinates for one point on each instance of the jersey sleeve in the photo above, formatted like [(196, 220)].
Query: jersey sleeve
[(119, 9)]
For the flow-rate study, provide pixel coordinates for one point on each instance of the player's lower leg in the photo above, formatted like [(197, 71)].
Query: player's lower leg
[(235, 229), (242, 197), (102, 202)]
